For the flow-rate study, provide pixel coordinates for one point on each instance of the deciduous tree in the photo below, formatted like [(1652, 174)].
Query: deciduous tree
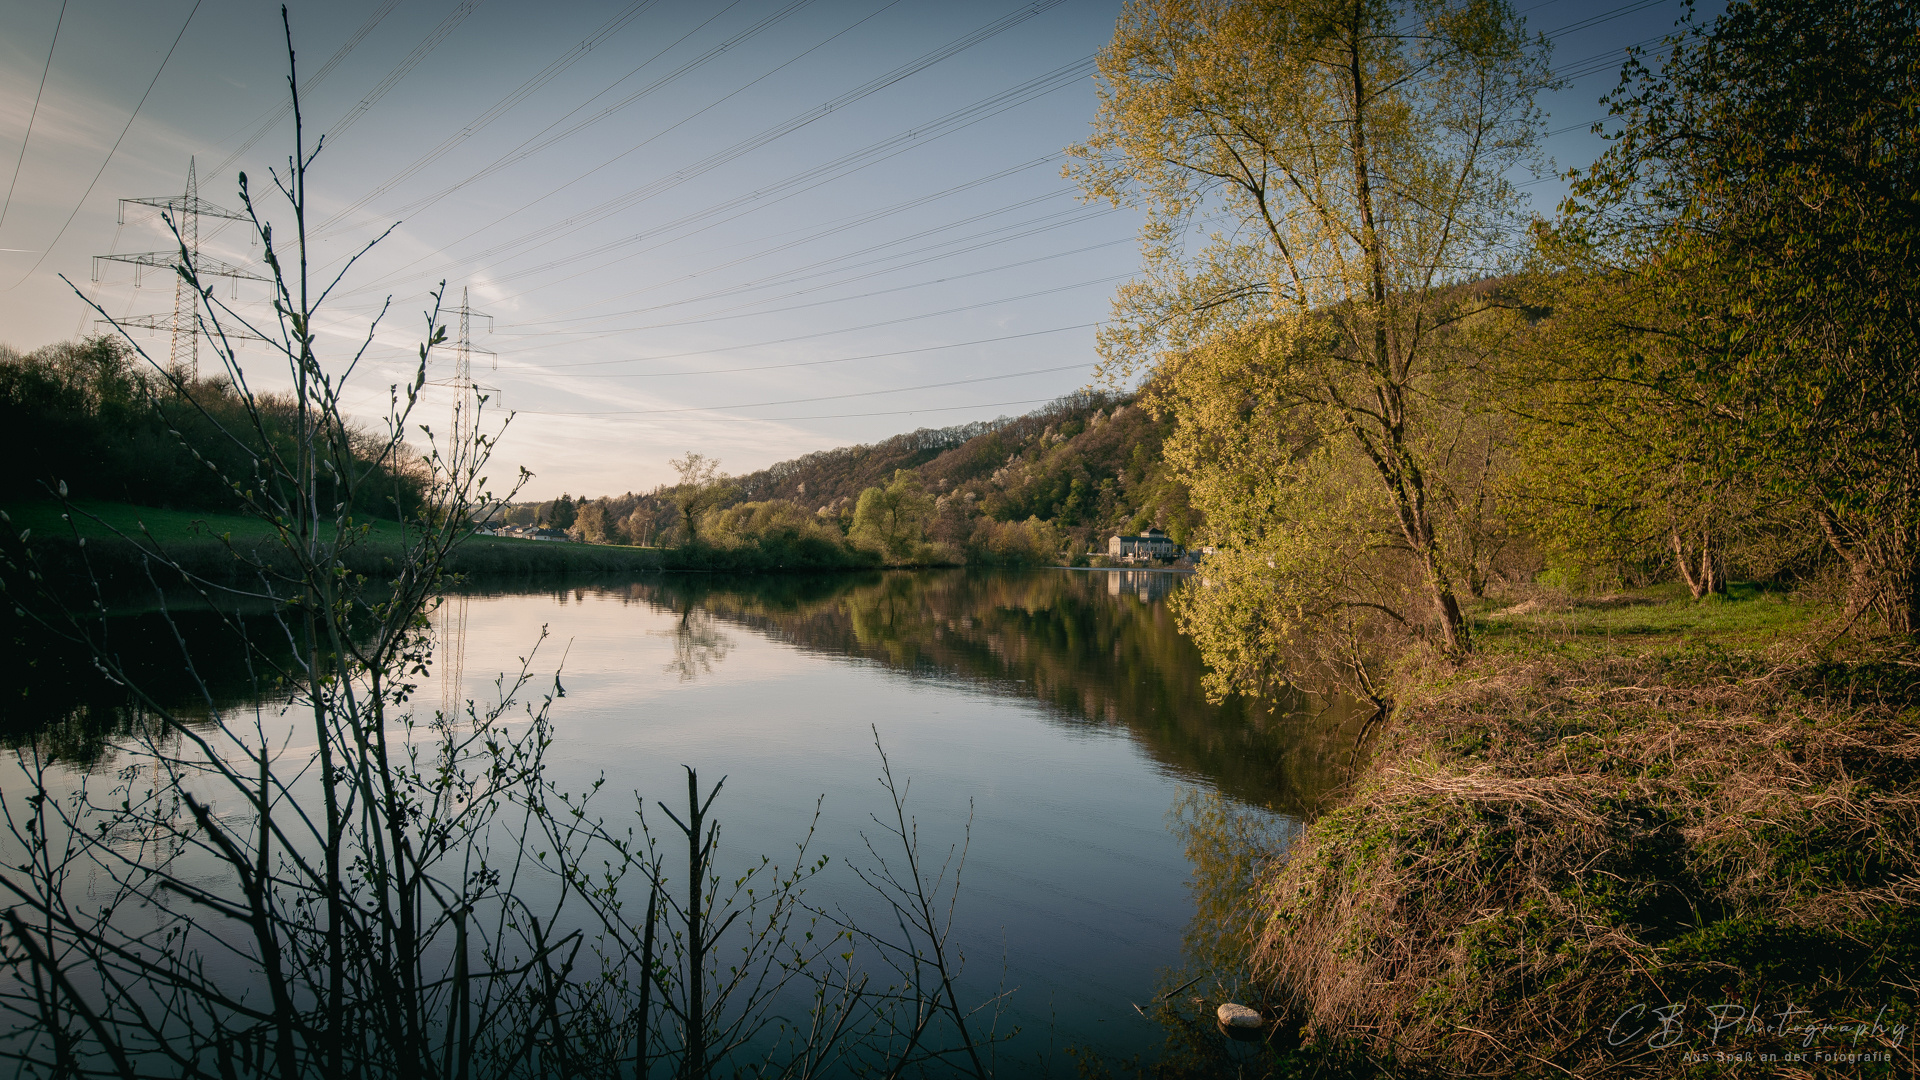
[(1319, 179), (702, 487), (1763, 183), (893, 519)]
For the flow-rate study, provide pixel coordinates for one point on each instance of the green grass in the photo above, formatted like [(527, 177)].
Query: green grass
[(97, 520), (196, 537), (1657, 617)]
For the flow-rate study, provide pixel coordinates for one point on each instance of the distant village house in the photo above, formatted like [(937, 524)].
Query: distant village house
[(528, 532), (1152, 544)]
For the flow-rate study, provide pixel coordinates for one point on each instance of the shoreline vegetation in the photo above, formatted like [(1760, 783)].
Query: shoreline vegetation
[(1635, 834), (139, 446), (108, 545)]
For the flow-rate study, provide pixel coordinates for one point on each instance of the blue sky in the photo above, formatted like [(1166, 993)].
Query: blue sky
[(752, 229)]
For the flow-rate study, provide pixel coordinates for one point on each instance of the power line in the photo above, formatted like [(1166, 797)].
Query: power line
[(503, 161), (734, 313), (599, 212), (830, 416), (827, 397), (35, 114), (407, 63), (503, 106), (851, 329), (115, 148), (534, 145), (548, 373), (887, 264), (825, 173), (280, 113), (831, 227), (1602, 61), (836, 226), (1605, 16)]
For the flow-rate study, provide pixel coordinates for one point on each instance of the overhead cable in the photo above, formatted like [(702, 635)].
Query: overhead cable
[(744, 310), (832, 397), (884, 263), (35, 114), (599, 212), (48, 250), (540, 140), (551, 374), (306, 88), (851, 329), (821, 174), (829, 416), (500, 108), (811, 235), (555, 191), (407, 63)]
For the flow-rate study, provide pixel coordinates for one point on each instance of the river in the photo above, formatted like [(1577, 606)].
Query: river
[(1052, 721)]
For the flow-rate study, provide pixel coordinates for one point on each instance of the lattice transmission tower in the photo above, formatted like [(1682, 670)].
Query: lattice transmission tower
[(466, 419), (186, 324), (466, 396)]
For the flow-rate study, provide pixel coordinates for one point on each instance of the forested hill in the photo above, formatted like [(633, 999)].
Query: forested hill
[(1085, 465), (1086, 462)]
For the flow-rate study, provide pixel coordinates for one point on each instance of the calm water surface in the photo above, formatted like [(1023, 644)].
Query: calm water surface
[(1058, 711)]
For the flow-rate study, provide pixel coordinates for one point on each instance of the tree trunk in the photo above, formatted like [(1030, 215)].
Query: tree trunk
[(1392, 458), (1453, 622), (1703, 574), (1883, 572)]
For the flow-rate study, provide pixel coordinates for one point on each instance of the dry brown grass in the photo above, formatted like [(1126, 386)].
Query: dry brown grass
[(1552, 837)]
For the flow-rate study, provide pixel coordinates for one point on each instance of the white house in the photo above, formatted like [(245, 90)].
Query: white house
[(1152, 544)]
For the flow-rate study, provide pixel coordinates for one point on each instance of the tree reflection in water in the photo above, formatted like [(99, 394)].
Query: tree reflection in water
[(698, 643), (1096, 650)]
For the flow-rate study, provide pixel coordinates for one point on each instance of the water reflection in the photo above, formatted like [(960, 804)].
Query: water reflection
[(1066, 701), (1098, 649), (190, 660), (1148, 585), (698, 643)]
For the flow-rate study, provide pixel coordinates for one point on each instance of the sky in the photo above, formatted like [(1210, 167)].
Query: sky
[(752, 229)]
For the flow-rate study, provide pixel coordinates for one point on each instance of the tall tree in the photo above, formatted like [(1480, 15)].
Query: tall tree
[(1351, 159), (1763, 183), (702, 487), (893, 519)]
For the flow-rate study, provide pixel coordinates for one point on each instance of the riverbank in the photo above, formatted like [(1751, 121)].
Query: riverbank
[(111, 543), (1635, 837), (118, 537)]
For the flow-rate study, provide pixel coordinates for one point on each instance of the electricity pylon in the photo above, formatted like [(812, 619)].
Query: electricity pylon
[(466, 410), (186, 323), (466, 403)]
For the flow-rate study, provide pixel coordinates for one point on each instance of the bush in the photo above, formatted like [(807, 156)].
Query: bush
[(1032, 542), (772, 535)]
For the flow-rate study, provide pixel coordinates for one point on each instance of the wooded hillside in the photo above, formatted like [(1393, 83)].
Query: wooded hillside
[(90, 415), (1084, 466)]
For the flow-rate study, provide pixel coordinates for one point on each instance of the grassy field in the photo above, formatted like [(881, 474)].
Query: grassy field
[(1664, 616), (1619, 805), (97, 520), (199, 539)]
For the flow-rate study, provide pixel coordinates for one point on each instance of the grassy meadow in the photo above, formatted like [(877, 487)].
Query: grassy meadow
[(116, 533)]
